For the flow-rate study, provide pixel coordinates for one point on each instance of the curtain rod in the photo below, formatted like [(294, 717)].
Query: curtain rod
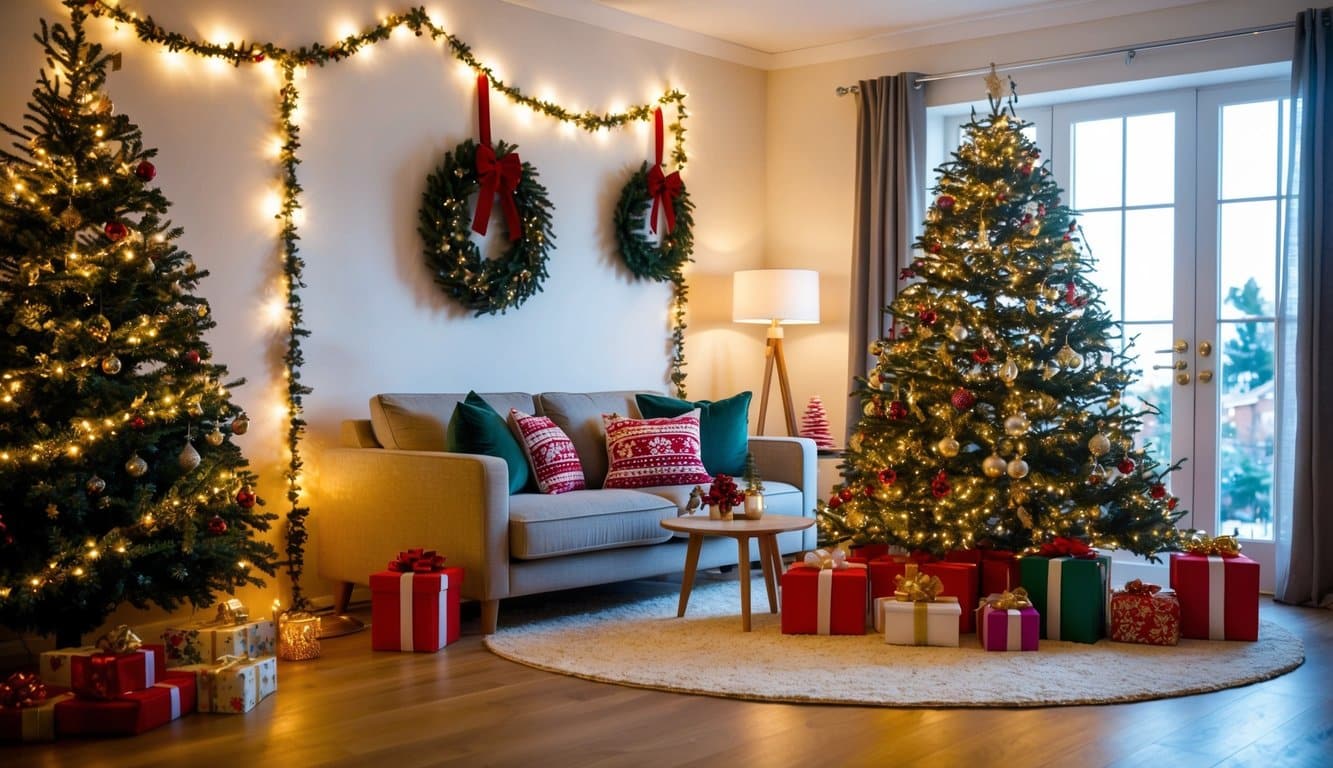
[(1129, 52)]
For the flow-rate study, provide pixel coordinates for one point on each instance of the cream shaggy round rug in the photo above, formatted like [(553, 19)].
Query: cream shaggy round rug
[(642, 643)]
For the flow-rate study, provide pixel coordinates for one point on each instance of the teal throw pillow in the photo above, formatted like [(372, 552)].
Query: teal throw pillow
[(477, 428), (724, 427)]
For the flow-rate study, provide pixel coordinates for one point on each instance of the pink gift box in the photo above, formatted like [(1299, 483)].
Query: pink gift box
[(1014, 629)]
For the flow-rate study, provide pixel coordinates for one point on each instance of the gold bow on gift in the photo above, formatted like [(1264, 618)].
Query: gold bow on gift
[(1203, 544), (1013, 600), (119, 640), (917, 587), (1139, 587), (825, 559), (232, 611)]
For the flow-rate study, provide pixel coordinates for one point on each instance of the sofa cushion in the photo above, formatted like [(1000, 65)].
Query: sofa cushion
[(579, 414), (645, 452), (724, 427), (420, 422), (476, 428), (549, 451), (581, 521), (779, 498)]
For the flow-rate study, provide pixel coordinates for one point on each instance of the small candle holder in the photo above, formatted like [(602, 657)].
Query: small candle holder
[(298, 636)]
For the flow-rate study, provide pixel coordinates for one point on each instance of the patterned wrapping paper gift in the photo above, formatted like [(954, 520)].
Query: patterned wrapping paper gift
[(824, 595), (54, 666), (1008, 622), (959, 580), (1219, 596), (35, 719), (414, 604), (234, 685), (1069, 591), (1146, 614), (130, 714), (108, 675), (918, 614), (211, 641)]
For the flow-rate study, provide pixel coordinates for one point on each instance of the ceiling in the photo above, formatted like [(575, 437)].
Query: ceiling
[(772, 34)]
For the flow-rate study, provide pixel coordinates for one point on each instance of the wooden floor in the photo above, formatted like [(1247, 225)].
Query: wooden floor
[(466, 707)]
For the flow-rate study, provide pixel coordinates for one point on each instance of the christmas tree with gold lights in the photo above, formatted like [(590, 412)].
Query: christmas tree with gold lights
[(994, 415), (119, 477)]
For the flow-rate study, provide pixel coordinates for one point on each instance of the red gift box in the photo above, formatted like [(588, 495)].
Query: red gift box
[(1219, 596), (131, 714), (959, 579), (824, 601), (1142, 614), (414, 611), (997, 568), (34, 723), (109, 675), (864, 553)]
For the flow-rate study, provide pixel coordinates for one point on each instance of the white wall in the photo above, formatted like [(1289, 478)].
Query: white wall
[(811, 135), (374, 127)]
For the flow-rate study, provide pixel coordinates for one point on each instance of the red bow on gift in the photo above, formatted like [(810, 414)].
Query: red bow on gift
[(1138, 587), (417, 561), (22, 689), (663, 188), (496, 175), (1063, 546)]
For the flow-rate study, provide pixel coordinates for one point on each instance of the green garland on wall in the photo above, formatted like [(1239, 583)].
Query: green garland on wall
[(289, 59)]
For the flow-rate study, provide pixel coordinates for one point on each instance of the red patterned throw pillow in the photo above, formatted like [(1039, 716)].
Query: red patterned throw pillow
[(549, 451), (652, 452)]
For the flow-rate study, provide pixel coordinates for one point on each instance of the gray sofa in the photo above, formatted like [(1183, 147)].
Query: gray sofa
[(392, 485)]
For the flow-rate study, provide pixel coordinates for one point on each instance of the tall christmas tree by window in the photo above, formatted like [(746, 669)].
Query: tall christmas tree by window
[(119, 477), (995, 414)]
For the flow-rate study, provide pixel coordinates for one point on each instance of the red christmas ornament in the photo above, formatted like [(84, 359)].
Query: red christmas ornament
[(1002, 197), (845, 494), (138, 423), (1025, 169), (1125, 466), (1027, 218), (217, 526), (258, 57), (1071, 295), (834, 502), (897, 410), (939, 487), (245, 497), (906, 274), (962, 399), (1172, 503), (869, 492), (192, 357), (115, 231), (933, 247), (888, 476), (145, 171), (927, 316), (945, 201), (1158, 491), (981, 356)]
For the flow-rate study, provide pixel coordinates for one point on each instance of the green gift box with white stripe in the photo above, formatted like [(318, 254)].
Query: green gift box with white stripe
[(1070, 594)]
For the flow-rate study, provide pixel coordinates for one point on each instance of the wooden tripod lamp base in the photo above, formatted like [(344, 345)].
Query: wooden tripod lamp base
[(776, 297)]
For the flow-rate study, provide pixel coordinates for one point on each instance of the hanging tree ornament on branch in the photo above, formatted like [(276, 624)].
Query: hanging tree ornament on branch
[(486, 285)]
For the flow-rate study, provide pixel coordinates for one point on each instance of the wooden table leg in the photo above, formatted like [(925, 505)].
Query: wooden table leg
[(687, 578), (766, 545), (743, 560), (776, 554)]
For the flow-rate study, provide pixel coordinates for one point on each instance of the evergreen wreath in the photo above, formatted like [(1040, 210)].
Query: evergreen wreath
[(484, 285), (662, 261)]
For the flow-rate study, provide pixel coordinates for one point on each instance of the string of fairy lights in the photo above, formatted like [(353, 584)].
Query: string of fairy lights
[(292, 62)]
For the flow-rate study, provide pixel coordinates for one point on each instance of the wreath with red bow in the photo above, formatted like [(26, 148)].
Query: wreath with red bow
[(486, 285), (663, 260)]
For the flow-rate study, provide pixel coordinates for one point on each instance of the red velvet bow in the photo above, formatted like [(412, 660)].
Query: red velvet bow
[(417, 560), (1063, 546), (663, 188), (22, 689), (1138, 587), (497, 175)]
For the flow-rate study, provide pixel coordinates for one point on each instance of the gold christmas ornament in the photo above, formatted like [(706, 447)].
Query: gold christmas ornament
[(947, 446), (239, 425), (111, 365), (214, 438), (1009, 372), (993, 465), (70, 219), (1099, 445), (99, 328), (136, 466), (189, 457), (1017, 425), (1018, 469), (957, 332), (1066, 356), (1050, 293)]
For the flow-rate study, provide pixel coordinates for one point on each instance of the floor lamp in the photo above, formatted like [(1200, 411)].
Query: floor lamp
[(776, 297)]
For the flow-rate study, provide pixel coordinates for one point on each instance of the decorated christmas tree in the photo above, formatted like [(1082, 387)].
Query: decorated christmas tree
[(119, 478), (995, 414), (814, 423)]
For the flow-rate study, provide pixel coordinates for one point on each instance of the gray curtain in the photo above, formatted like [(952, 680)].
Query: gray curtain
[(890, 189), (1303, 461)]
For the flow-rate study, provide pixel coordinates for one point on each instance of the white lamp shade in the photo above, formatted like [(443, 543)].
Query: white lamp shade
[(789, 296)]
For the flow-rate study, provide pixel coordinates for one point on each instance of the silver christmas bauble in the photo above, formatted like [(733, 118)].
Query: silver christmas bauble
[(957, 332), (111, 365), (1099, 444), (1018, 469), (95, 485), (948, 447), (136, 466), (1017, 425), (993, 465), (189, 457)]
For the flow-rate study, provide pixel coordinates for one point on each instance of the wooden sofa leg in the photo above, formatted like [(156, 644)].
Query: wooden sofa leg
[(490, 615), (342, 595)]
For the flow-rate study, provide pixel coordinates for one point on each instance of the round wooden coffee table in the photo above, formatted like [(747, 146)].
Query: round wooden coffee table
[(765, 529)]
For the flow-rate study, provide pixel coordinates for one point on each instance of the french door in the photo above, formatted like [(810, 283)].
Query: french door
[(1181, 201)]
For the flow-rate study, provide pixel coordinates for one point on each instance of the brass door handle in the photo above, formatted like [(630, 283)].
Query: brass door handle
[(1178, 365), (1180, 347), (1205, 348), (1205, 376)]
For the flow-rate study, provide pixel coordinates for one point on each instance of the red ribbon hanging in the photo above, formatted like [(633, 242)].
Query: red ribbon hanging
[(417, 560), (496, 175), (1063, 546), (662, 188)]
